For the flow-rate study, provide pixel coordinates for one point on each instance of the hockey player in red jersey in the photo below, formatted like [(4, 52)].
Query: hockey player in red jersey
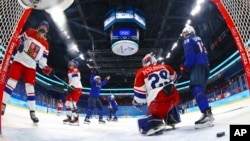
[(59, 107), (154, 86), (33, 48), (74, 93)]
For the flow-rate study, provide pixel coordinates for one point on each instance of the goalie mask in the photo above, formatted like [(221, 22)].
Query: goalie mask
[(149, 59), (188, 30)]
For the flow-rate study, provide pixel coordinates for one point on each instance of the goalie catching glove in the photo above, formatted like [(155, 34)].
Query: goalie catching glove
[(48, 71), (168, 89)]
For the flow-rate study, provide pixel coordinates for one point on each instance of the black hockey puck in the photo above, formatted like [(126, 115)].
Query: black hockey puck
[(220, 134)]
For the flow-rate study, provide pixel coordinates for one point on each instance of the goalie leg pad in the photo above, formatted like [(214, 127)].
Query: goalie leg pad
[(150, 126), (173, 117)]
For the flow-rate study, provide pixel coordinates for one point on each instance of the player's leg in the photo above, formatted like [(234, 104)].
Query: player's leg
[(31, 101), (114, 114), (29, 80), (198, 79), (14, 76), (159, 108), (68, 105), (91, 108), (100, 110), (75, 113)]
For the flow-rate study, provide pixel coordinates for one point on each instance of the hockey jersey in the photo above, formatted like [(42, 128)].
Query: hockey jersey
[(35, 49), (194, 51), (112, 103), (96, 86), (74, 78), (150, 80)]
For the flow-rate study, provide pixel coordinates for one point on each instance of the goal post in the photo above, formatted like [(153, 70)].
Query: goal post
[(236, 14), (12, 19)]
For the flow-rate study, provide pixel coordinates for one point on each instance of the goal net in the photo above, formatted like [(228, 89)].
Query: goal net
[(237, 16), (12, 19)]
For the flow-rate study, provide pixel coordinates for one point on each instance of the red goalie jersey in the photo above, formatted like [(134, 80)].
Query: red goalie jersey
[(148, 89)]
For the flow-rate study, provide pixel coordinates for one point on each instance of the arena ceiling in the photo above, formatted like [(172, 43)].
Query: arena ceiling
[(164, 19)]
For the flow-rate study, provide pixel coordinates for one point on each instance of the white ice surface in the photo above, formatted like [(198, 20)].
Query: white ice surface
[(17, 126)]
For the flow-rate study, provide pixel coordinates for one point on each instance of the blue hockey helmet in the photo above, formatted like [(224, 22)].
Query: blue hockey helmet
[(45, 23)]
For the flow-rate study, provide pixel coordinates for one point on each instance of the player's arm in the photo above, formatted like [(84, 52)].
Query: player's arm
[(139, 91)]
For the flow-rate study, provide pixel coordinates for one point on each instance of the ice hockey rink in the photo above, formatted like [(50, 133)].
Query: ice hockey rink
[(17, 126)]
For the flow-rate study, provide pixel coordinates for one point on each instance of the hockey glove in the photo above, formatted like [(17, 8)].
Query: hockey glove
[(93, 71), (183, 71), (168, 89), (48, 71), (20, 48), (107, 77), (20, 41), (137, 105)]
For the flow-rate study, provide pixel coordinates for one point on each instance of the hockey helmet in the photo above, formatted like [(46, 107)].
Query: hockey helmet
[(149, 59), (45, 23), (188, 30), (97, 77), (112, 96), (75, 62)]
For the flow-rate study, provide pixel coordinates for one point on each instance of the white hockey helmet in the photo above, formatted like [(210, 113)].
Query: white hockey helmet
[(112, 96), (149, 59), (188, 30), (97, 77)]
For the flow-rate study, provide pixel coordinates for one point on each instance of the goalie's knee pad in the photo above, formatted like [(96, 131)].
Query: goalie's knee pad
[(173, 117)]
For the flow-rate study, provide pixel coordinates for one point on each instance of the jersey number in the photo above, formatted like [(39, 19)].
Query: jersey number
[(159, 79)]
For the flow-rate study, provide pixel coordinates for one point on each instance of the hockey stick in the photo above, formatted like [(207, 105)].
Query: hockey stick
[(93, 67), (66, 84)]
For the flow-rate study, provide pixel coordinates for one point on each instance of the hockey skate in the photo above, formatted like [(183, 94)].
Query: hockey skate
[(74, 122), (86, 121), (67, 120), (101, 121), (206, 120), (3, 108), (114, 119), (33, 117)]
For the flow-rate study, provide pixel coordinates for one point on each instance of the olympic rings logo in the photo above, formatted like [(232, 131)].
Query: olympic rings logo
[(124, 32)]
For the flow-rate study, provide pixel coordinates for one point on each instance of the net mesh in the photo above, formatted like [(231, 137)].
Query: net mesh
[(10, 14), (239, 10)]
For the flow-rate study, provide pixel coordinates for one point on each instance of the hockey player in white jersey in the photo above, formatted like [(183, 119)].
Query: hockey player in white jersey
[(74, 93), (34, 48)]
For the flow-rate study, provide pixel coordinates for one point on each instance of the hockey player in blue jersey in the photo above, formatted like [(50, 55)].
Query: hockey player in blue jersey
[(94, 96), (113, 107), (197, 64)]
